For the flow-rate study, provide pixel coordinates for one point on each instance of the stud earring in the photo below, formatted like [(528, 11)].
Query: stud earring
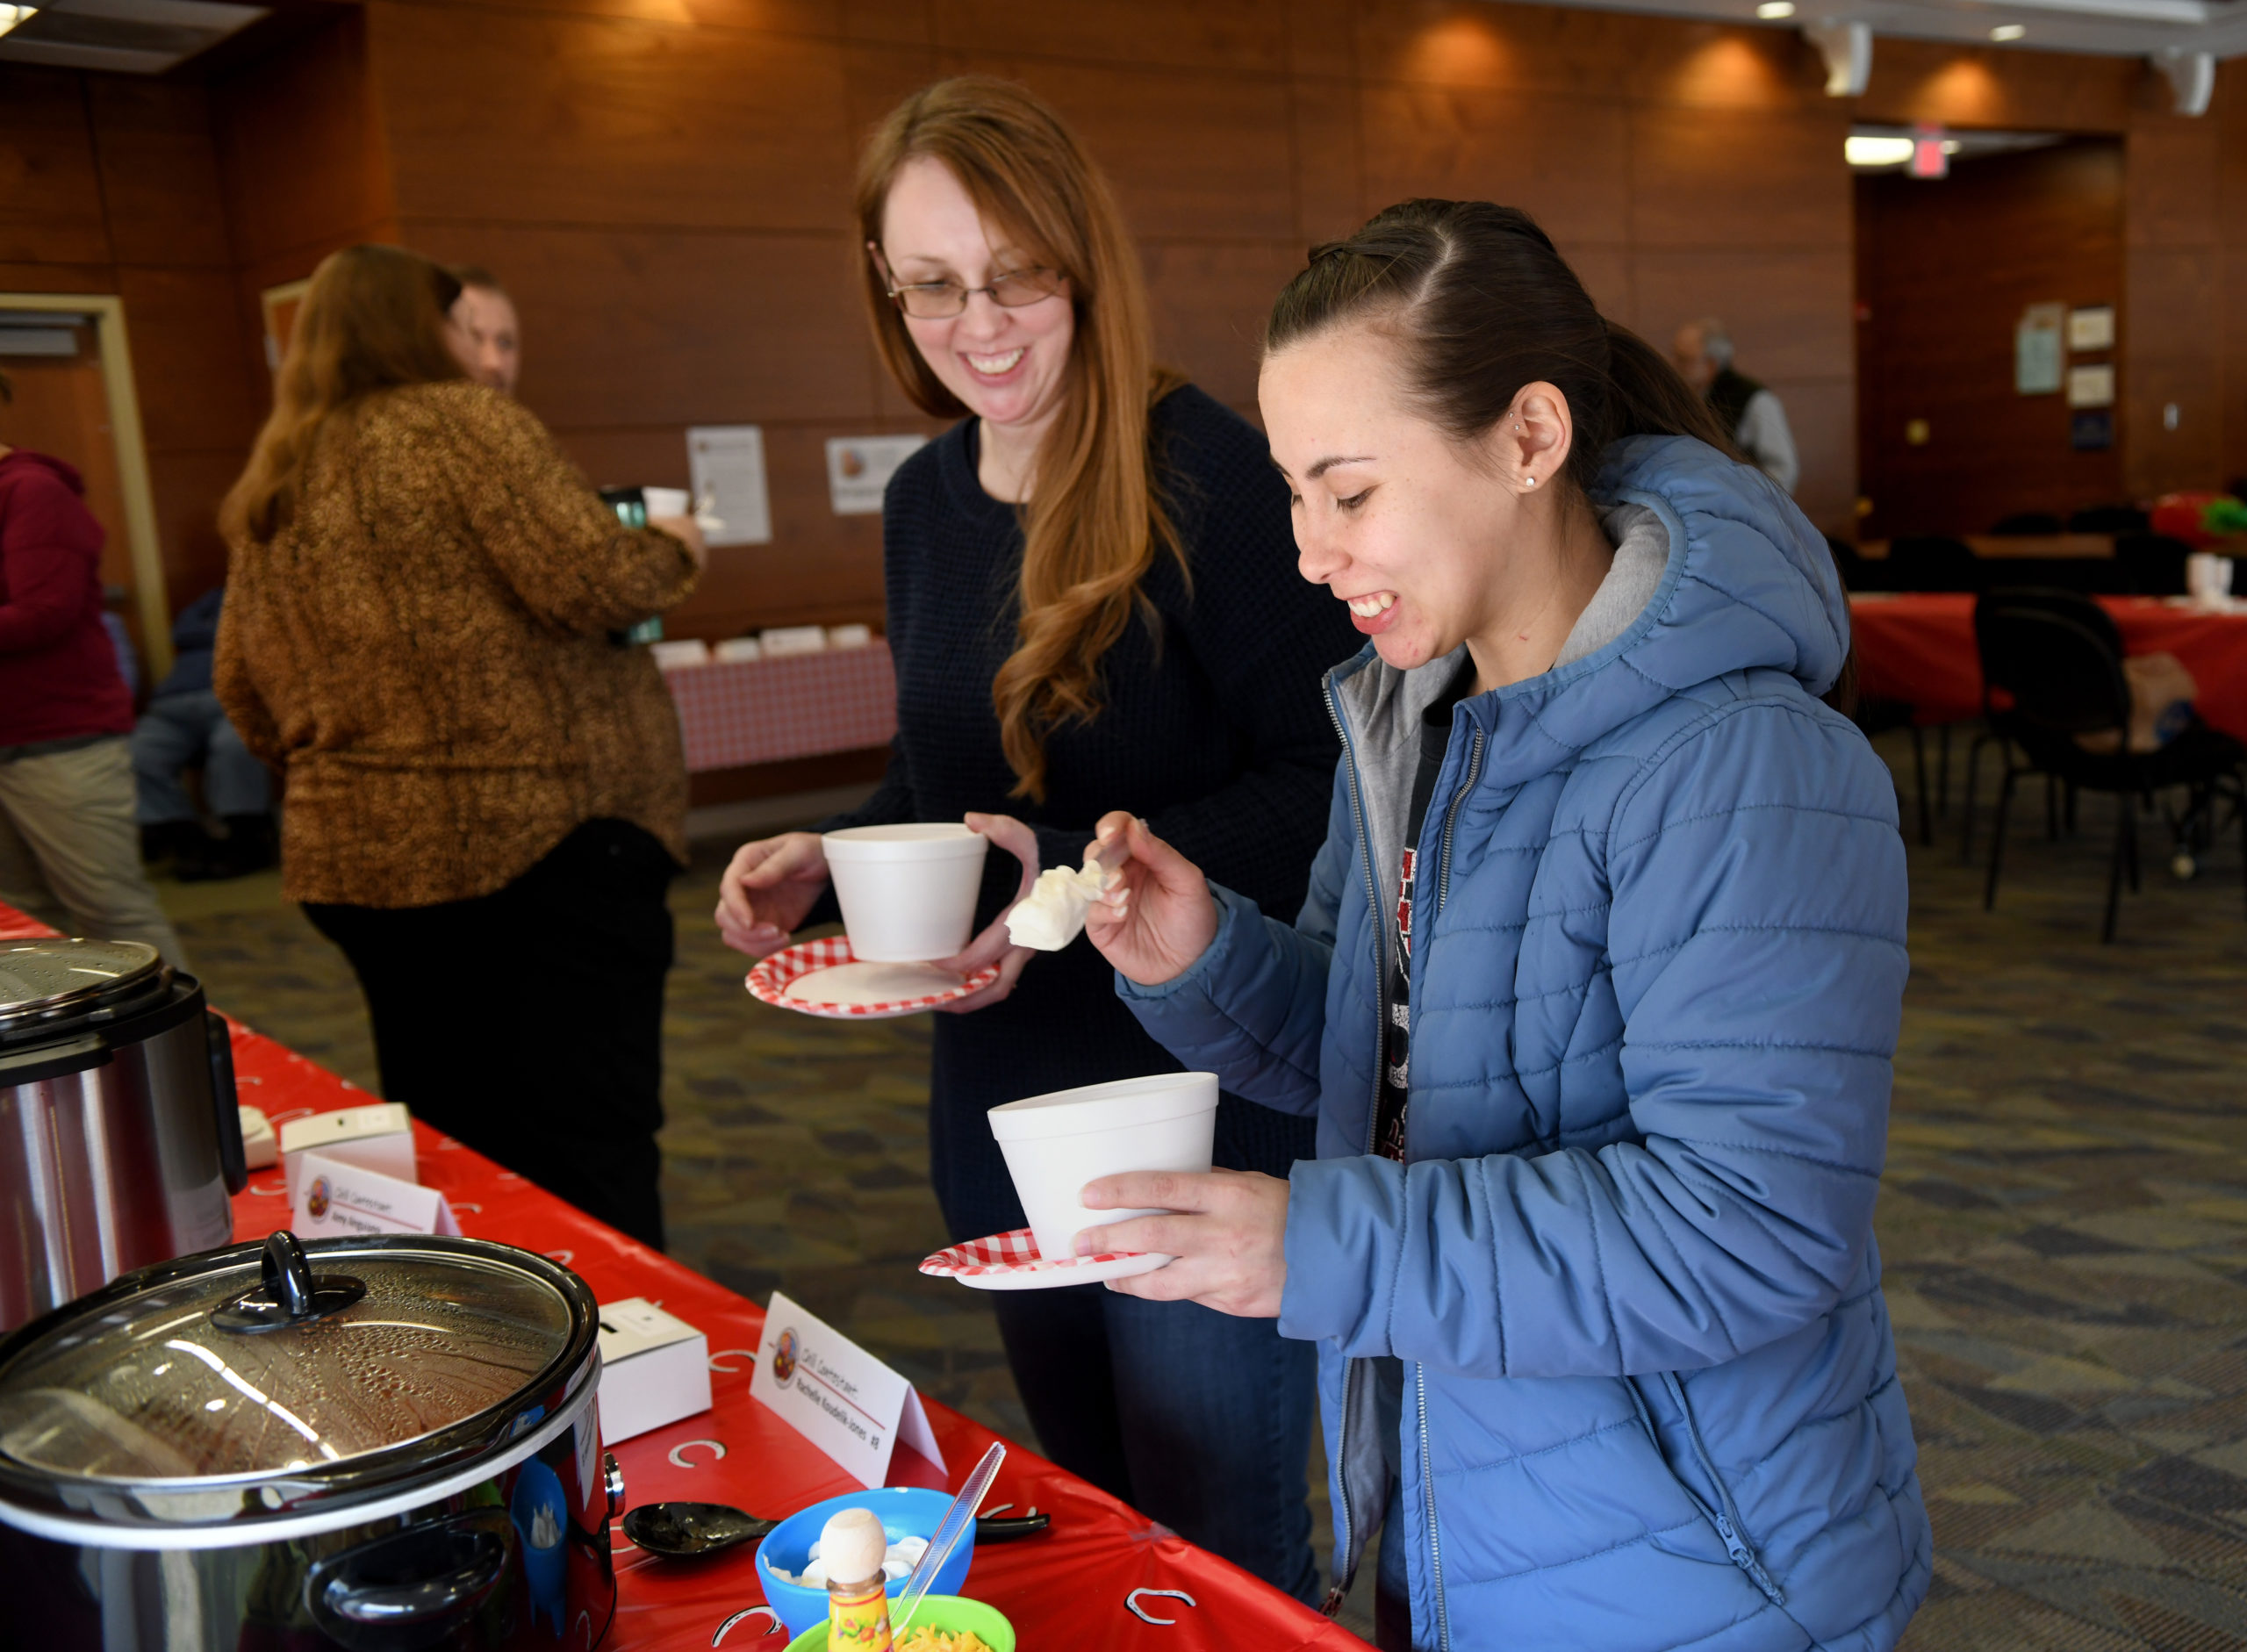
[(1529, 481)]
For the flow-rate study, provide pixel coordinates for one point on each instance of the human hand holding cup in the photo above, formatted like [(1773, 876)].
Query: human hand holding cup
[(1226, 1231), (995, 944), (767, 889)]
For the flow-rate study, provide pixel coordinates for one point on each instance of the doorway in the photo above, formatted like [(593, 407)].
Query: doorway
[(1950, 440), (69, 374)]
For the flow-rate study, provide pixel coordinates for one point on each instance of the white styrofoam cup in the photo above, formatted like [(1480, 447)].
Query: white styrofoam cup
[(1055, 1143), (908, 892)]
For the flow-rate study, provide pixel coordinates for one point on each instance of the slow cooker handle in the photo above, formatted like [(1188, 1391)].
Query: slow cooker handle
[(414, 1587), (233, 1161)]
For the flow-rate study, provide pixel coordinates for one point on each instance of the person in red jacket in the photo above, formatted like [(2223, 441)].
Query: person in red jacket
[(69, 849)]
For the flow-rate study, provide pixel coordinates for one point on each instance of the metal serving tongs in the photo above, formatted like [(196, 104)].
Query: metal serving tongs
[(949, 1531)]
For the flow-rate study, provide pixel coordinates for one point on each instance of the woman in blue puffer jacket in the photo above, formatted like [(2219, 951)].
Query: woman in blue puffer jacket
[(1595, 993)]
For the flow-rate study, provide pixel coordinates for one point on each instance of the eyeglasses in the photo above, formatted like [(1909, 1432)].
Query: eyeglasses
[(935, 300)]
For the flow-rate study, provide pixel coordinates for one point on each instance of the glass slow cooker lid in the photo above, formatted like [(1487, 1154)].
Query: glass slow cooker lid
[(47, 982), (182, 1382)]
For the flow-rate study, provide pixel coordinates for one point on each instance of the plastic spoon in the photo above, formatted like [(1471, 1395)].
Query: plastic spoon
[(683, 1531), (946, 1538)]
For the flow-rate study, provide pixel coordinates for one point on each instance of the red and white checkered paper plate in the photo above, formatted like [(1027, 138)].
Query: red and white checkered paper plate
[(1010, 1262), (823, 978)]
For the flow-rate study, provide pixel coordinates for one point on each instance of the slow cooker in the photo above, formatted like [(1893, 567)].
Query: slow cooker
[(119, 1138), (384, 1445)]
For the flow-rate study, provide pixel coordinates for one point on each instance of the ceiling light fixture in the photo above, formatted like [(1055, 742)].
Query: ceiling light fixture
[(1861, 151), (12, 15), (1775, 10), (2008, 32)]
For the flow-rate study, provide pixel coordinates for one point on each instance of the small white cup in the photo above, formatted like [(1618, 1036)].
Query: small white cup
[(908, 892), (665, 501), (2208, 578), (1055, 1143)]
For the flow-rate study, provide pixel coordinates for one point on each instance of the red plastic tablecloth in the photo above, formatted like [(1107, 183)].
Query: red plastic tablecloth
[(791, 705), (1064, 1591), (1920, 648)]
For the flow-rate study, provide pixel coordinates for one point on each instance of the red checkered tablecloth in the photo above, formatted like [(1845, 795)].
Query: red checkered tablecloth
[(796, 706)]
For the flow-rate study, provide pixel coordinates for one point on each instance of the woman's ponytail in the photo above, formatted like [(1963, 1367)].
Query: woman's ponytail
[(1650, 397)]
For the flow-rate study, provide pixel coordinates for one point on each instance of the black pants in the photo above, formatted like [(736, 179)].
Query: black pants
[(528, 1023)]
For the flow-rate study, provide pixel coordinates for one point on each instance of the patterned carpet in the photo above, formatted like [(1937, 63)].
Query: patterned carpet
[(2065, 1221)]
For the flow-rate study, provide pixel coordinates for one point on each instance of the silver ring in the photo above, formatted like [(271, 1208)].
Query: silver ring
[(1131, 1604), (677, 1462), (771, 1622)]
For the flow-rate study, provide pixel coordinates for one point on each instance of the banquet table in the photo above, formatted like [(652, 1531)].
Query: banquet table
[(2061, 547), (734, 712), (1919, 647), (1071, 1587)]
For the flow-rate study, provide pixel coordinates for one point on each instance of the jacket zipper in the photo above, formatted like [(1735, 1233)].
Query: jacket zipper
[(1420, 1371), (1428, 1495), (1474, 773), (1724, 1518), (1340, 1587)]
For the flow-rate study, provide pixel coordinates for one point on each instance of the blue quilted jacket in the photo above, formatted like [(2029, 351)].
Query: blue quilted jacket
[(1650, 1396)]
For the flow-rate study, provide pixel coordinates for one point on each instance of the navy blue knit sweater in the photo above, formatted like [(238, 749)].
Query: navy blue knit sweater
[(1215, 731)]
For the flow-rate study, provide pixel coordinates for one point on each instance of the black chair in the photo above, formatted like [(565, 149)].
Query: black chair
[(2109, 519), (2055, 659), (1875, 716), (2027, 525), (1933, 562), (2153, 564)]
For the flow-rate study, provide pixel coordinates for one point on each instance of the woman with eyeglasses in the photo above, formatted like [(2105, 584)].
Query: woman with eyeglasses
[(1092, 605)]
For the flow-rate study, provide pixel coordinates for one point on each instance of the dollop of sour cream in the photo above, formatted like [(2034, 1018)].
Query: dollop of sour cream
[(1053, 913)]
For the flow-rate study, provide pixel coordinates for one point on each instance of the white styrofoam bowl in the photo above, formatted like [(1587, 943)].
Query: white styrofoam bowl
[(1055, 1143), (908, 892)]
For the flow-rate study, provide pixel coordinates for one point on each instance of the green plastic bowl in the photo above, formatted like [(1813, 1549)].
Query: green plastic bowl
[(954, 1613)]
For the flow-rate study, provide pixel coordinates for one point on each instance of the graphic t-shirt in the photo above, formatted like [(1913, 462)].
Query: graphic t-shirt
[(1395, 1077)]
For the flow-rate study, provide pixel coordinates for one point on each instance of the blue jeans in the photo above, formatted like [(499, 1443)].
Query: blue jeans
[(1197, 1419), (183, 728)]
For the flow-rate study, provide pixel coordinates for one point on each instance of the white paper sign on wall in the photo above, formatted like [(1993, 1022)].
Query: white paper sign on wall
[(858, 468), (836, 1395), (727, 462)]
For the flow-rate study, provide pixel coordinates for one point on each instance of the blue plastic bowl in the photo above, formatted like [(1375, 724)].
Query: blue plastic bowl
[(904, 1511)]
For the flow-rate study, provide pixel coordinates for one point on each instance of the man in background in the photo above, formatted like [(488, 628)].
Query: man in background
[(1751, 413), (69, 850), (184, 724), (490, 345)]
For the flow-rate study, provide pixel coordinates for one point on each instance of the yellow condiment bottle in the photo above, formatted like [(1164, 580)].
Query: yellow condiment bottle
[(853, 1546), (857, 1615)]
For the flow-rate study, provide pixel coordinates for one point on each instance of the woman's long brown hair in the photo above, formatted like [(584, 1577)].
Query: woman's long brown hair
[(1094, 522), (373, 319)]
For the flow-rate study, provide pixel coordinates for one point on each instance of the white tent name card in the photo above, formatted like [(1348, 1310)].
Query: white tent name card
[(836, 1395), (335, 1198)]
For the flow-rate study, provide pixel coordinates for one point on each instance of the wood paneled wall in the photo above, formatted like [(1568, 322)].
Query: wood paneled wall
[(1936, 334), (667, 187), (2184, 320), (110, 184)]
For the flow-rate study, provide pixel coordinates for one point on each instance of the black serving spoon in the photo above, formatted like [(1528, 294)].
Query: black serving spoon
[(689, 1531)]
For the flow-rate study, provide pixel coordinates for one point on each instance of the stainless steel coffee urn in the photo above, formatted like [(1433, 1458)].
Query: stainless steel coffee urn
[(120, 1140)]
